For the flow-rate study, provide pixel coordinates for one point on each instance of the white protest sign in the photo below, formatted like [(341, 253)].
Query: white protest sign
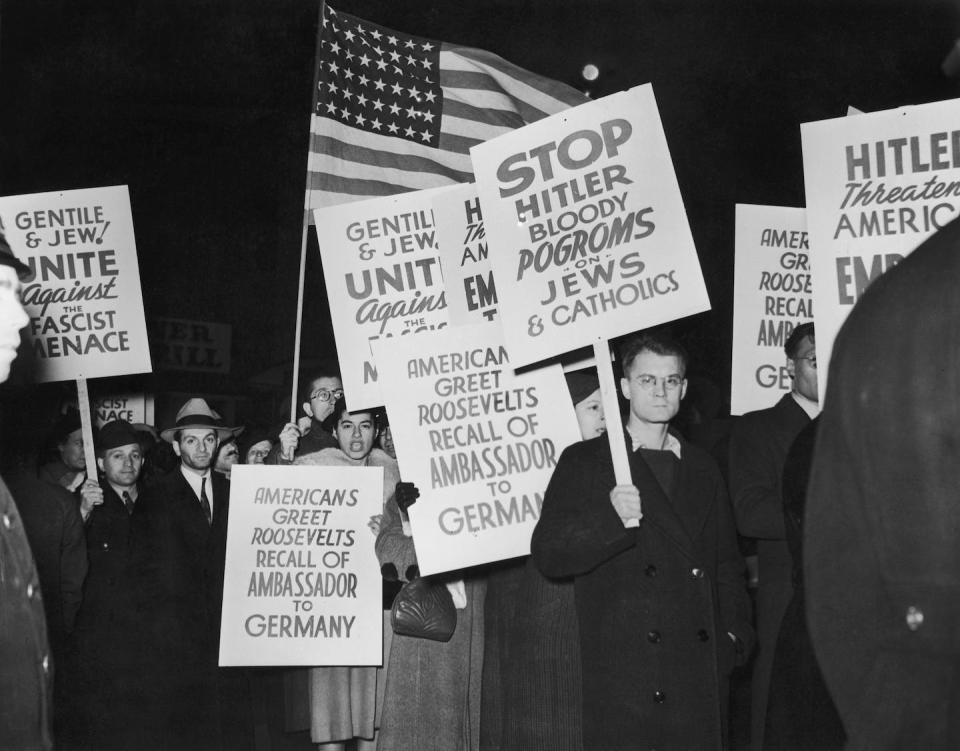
[(130, 408), (587, 231), (877, 185), (464, 257), (383, 280), (478, 441), (771, 295), (302, 584), (83, 294)]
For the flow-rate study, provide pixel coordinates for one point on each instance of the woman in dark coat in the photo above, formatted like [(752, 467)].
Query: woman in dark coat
[(801, 715), (532, 693)]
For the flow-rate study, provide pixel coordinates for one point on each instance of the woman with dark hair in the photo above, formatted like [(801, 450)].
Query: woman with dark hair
[(345, 702), (531, 662), (432, 700)]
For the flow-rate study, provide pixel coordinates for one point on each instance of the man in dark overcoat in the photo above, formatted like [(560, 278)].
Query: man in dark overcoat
[(882, 535), (759, 444), (662, 605), (107, 639), (26, 670), (178, 549)]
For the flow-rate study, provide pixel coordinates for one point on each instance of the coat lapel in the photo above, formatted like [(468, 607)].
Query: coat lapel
[(694, 500), (658, 511)]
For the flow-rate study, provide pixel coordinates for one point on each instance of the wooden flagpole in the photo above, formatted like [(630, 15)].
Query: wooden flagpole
[(305, 228)]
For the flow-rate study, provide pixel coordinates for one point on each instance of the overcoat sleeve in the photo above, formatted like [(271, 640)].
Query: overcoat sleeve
[(755, 481), (393, 546), (578, 527), (735, 609), (73, 561)]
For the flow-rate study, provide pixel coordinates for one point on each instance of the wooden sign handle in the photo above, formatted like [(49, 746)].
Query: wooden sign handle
[(611, 415), (86, 426)]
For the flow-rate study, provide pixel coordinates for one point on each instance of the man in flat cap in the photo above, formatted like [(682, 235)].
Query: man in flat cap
[(179, 548), (106, 633), (26, 676)]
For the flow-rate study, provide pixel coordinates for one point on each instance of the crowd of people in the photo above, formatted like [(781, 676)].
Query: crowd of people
[(621, 629)]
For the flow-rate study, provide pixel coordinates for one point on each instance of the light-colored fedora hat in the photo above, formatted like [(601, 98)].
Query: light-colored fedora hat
[(196, 413)]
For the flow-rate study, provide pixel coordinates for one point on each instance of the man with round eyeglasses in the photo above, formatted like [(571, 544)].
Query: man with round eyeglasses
[(759, 443), (658, 579), (319, 397)]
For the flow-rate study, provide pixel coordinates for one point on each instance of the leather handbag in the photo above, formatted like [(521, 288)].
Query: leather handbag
[(424, 610)]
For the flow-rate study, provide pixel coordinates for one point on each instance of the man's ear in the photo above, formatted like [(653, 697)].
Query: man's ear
[(625, 388), (308, 409), (683, 389), (176, 447), (791, 367), (100, 463)]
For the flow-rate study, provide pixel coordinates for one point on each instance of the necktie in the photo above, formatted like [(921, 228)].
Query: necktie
[(204, 501), (128, 502)]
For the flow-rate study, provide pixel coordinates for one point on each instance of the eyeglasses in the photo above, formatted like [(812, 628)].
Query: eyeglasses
[(325, 395), (258, 453), (812, 359), (649, 382)]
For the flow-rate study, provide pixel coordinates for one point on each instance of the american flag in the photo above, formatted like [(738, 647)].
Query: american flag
[(395, 112)]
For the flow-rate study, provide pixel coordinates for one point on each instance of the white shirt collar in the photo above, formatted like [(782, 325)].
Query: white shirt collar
[(120, 491), (194, 480), (809, 406), (670, 443)]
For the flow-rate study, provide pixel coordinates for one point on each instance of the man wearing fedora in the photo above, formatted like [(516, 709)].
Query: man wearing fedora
[(178, 551), (106, 633)]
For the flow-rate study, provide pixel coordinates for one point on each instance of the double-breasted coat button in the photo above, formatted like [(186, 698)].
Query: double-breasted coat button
[(106, 546), (30, 591), (653, 637), (696, 573), (650, 570), (659, 697), (6, 521), (914, 618), (45, 663), (702, 635)]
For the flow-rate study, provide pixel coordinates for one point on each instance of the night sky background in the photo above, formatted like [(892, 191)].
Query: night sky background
[(202, 107)]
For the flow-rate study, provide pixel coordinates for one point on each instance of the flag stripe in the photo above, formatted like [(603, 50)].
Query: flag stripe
[(454, 108), (326, 146), (460, 145), (416, 179), (324, 181), (478, 81), (563, 96), (375, 141), (456, 126), (481, 98)]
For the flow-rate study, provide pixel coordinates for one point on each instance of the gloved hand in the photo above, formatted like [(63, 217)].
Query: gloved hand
[(406, 495)]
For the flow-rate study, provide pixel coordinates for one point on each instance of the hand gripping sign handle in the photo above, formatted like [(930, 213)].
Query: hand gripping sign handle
[(611, 414)]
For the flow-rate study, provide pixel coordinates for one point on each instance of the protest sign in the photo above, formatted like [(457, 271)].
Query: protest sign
[(302, 584), (877, 185), (587, 232), (771, 295), (464, 258), (479, 441), (383, 280), (196, 346), (83, 292), (130, 408)]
